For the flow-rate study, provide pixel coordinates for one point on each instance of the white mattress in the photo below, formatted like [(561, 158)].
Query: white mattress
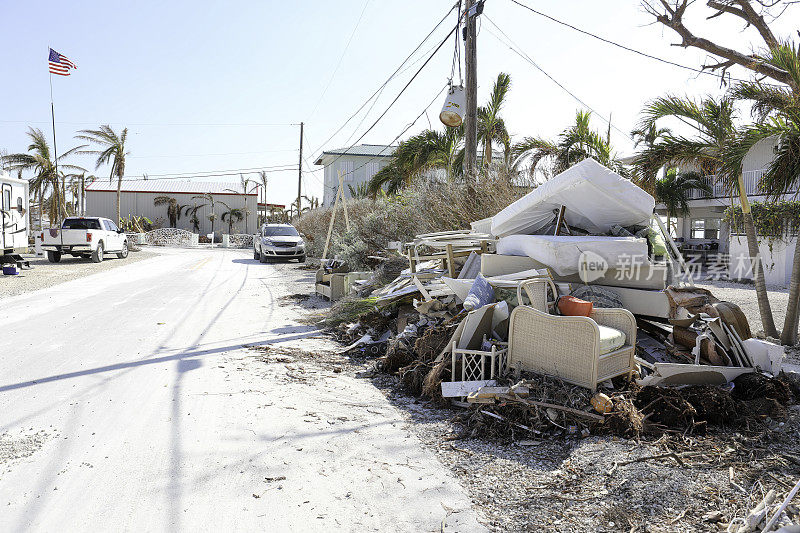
[(594, 197), (562, 253)]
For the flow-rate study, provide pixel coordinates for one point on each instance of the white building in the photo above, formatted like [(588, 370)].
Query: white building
[(137, 199), (357, 165), (703, 232)]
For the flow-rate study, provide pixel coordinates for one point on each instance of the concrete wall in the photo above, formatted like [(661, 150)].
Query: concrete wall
[(104, 204), (356, 170), (776, 256)]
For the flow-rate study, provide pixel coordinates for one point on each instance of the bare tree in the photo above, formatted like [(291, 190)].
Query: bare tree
[(754, 13)]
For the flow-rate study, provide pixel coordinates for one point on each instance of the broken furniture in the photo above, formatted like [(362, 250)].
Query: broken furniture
[(447, 246), (481, 364), (336, 285), (580, 350)]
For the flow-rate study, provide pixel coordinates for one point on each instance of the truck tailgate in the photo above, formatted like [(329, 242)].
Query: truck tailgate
[(74, 236)]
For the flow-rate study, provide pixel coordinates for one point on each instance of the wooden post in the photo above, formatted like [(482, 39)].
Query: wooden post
[(344, 201), (451, 267), (470, 118), (411, 265), (333, 217), (560, 219), (300, 172)]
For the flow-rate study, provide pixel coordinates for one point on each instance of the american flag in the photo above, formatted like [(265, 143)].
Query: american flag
[(59, 64)]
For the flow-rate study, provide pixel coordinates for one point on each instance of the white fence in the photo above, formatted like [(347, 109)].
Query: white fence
[(237, 240), (751, 179), (169, 237)]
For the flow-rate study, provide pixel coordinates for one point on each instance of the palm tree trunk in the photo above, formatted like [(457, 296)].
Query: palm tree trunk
[(764, 307), (119, 195), (41, 212), (789, 333)]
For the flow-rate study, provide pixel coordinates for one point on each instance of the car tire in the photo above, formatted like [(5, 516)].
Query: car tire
[(54, 257), (256, 255), (301, 259), (264, 258), (124, 253), (97, 255)]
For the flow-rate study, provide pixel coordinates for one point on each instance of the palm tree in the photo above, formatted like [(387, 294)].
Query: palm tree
[(673, 191), (40, 160), (77, 182), (262, 178), (112, 150), (233, 214), (573, 145), (777, 113), (191, 212), (245, 182), (491, 127), (212, 217), (174, 209), (647, 137), (425, 151), (713, 122)]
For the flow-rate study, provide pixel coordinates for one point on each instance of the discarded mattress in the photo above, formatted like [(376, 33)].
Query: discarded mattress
[(562, 253), (594, 197)]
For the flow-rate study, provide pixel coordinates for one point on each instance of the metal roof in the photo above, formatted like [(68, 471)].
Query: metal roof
[(169, 186), (373, 150)]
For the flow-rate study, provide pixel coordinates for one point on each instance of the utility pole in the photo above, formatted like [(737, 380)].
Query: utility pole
[(83, 195), (300, 171), (470, 120)]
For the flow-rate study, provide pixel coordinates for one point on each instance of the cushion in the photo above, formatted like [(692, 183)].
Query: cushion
[(481, 293), (610, 339)]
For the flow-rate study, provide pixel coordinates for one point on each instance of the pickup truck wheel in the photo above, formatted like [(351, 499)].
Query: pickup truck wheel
[(54, 257), (97, 255), (256, 255), (124, 253)]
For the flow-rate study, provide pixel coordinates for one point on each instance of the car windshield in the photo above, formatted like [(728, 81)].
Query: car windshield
[(81, 223), (280, 231)]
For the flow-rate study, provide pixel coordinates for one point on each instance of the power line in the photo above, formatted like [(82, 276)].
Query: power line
[(385, 83), (447, 37), (341, 57), (181, 124), (622, 46), (204, 155), (214, 173), (527, 58)]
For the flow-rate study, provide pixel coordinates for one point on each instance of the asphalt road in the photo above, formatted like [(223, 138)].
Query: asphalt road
[(127, 402)]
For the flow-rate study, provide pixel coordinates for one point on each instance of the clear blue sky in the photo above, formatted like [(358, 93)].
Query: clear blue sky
[(157, 66)]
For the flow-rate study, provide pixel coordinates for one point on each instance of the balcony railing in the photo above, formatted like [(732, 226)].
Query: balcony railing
[(751, 179)]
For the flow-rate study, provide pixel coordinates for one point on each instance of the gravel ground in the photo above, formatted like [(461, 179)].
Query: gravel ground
[(605, 483), (45, 274)]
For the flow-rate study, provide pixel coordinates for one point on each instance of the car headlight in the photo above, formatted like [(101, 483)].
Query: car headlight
[(268, 242)]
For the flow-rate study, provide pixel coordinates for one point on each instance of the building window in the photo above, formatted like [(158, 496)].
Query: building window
[(705, 228)]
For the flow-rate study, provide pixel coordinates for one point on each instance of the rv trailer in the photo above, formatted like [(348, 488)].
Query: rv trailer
[(14, 208)]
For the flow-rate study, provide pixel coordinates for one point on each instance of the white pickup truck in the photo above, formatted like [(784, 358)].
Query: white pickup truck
[(90, 237)]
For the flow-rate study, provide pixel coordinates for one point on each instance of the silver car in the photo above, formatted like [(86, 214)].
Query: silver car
[(278, 241)]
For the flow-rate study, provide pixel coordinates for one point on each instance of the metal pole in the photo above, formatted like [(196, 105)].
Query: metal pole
[(470, 120), (300, 171), (55, 152), (83, 195)]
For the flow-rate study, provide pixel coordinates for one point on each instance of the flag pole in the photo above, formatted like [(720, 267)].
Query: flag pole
[(55, 148)]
